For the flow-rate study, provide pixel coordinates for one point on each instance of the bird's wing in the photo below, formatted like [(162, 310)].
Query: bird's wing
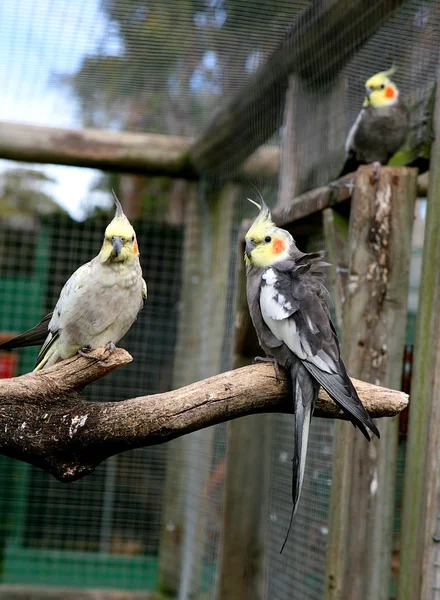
[(32, 337), (293, 306), (72, 286)]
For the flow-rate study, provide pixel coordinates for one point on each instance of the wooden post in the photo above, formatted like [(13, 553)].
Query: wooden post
[(335, 228), (420, 530), (307, 141), (374, 318), (206, 262), (243, 549)]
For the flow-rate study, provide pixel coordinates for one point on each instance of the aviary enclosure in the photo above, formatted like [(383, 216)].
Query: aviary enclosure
[(183, 108)]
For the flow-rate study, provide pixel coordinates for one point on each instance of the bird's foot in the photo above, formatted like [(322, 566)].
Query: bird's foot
[(84, 352), (110, 347), (267, 359), (376, 171)]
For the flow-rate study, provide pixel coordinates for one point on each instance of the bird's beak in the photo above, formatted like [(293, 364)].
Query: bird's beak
[(117, 243), (250, 245)]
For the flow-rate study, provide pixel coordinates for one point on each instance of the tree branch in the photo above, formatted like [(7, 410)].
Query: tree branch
[(46, 421)]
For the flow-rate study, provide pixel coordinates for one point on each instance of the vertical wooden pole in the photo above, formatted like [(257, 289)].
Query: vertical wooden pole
[(205, 264), (374, 319), (335, 228), (246, 495), (289, 178), (185, 371), (420, 532), (307, 141)]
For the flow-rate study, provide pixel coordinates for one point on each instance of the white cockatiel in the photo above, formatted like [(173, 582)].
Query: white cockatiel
[(97, 305)]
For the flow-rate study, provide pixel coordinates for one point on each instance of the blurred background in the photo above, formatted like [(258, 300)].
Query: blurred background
[(210, 77)]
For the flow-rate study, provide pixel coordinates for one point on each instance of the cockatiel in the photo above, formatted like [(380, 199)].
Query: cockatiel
[(380, 128), (97, 305), (288, 305)]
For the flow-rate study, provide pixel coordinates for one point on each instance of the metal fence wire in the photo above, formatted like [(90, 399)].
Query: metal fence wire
[(152, 518)]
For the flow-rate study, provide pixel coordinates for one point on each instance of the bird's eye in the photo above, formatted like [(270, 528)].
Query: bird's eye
[(132, 238), (382, 87), (267, 239)]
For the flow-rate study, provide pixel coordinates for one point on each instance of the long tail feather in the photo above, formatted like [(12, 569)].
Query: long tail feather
[(304, 400), (32, 337)]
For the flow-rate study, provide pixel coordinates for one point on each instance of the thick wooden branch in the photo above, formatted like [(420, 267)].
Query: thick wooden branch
[(46, 421)]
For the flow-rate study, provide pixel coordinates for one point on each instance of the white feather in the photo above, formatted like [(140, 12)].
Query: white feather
[(276, 315), (270, 277), (352, 132)]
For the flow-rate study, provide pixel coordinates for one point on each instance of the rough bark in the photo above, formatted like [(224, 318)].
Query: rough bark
[(47, 422)]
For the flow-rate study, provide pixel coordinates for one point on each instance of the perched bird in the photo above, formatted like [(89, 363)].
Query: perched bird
[(288, 305), (97, 305), (380, 128)]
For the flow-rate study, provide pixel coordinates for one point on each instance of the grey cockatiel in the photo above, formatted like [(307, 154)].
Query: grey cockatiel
[(380, 128), (97, 305), (287, 303)]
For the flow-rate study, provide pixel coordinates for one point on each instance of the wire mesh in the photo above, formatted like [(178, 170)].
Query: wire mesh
[(152, 518)]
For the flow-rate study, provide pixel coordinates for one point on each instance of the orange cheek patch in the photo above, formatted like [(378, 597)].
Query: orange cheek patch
[(389, 92), (278, 246), (135, 247)]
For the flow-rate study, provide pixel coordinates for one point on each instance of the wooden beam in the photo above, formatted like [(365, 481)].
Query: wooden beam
[(374, 319), (315, 49), (420, 537), (313, 202), (155, 154), (141, 153), (96, 149)]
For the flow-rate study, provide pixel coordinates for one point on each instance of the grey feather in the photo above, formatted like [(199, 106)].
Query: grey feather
[(304, 342), (305, 392), (32, 337), (376, 135)]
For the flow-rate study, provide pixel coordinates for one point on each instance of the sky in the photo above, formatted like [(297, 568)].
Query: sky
[(40, 40)]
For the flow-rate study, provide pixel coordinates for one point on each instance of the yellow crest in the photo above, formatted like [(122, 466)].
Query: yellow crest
[(262, 222)]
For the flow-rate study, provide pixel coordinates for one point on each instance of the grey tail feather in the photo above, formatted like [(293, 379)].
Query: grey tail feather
[(119, 211), (32, 337), (292, 515), (303, 407)]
